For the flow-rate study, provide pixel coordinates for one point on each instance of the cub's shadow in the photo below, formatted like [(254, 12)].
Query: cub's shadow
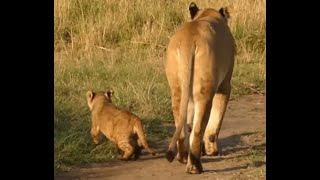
[(157, 133)]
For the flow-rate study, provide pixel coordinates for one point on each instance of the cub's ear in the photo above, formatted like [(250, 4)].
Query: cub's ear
[(193, 9), (224, 12), (89, 95), (109, 93)]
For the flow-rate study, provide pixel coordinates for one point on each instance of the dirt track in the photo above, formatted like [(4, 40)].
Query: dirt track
[(242, 140)]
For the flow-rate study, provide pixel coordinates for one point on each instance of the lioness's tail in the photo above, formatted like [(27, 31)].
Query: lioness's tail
[(185, 71), (139, 130)]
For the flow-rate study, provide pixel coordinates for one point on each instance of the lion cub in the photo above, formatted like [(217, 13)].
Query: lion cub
[(121, 127)]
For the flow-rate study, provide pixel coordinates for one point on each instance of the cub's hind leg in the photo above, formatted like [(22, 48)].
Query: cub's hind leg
[(128, 150), (120, 152)]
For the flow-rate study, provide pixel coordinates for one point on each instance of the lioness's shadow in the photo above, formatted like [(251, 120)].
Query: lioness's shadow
[(246, 155), (233, 144), (234, 140), (228, 169), (158, 134)]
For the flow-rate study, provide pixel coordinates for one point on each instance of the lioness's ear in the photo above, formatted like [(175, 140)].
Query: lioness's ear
[(193, 9), (224, 12), (89, 95), (109, 93)]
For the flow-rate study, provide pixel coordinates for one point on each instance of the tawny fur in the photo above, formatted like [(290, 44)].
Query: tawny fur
[(121, 127), (199, 67)]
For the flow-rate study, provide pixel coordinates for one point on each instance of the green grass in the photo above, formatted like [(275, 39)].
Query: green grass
[(120, 44), (255, 158)]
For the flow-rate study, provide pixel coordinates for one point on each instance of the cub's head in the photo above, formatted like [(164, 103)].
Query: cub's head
[(99, 96), (196, 13)]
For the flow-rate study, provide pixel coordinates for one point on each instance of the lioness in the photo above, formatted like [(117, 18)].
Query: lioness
[(199, 67), (121, 127)]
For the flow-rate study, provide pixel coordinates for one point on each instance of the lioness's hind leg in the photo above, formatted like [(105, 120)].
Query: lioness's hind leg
[(175, 100), (182, 153), (218, 109), (183, 142), (194, 165)]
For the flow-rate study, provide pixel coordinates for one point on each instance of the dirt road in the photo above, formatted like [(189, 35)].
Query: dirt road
[(243, 143)]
